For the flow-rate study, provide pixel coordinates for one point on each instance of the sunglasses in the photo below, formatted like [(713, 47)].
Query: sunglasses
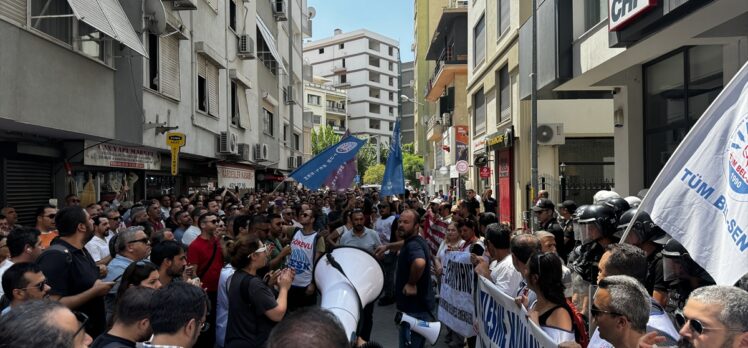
[(83, 320), (39, 286), (696, 325), (597, 312), (141, 240)]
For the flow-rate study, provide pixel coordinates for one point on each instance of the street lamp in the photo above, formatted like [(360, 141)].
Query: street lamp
[(562, 179)]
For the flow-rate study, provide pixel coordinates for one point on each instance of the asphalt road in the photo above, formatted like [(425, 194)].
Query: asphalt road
[(384, 331)]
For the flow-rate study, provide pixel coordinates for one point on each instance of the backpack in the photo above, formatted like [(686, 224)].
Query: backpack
[(580, 329), (59, 248)]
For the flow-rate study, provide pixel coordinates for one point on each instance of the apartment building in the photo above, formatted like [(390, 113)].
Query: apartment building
[(407, 103), (326, 105), (366, 64), (662, 62), (95, 91)]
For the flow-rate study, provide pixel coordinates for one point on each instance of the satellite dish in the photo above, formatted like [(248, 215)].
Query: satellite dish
[(155, 16), (545, 133), (312, 12)]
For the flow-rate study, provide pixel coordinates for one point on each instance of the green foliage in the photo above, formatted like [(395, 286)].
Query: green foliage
[(412, 163), (374, 174), (323, 138)]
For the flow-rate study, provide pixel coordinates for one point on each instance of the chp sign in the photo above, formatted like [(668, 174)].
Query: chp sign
[(175, 141)]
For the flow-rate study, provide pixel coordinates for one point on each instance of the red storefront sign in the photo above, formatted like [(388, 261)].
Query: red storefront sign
[(485, 172), (504, 170)]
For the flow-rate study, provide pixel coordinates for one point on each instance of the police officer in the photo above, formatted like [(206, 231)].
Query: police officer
[(683, 275), (650, 238), (545, 215)]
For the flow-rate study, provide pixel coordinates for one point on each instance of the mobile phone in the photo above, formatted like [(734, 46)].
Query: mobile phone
[(476, 249)]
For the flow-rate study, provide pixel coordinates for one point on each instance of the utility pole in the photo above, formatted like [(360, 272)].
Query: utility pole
[(534, 103)]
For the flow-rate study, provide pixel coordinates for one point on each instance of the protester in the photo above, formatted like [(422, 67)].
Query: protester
[(308, 327), (45, 223), (44, 324), (621, 310), (132, 245), (23, 246), (253, 308), (307, 247), (548, 245), (139, 274), (23, 282), (131, 319), (205, 253), (501, 271), (178, 316), (385, 226), (171, 260), (98, 246)]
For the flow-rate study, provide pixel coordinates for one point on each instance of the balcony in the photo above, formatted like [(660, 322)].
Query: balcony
[(434, 129), (447, 66), (335, 110), (448, 48)]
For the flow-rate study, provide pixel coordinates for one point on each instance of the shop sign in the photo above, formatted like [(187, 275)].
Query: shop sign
[(461, 143), (485, 172), (462, 167), (175, 141), (236, 176), (120, 156), (453, 173), (270, 177), (500, 140), (622, 12)]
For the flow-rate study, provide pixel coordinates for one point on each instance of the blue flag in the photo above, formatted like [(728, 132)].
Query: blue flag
[(314, 172), (393, 182)]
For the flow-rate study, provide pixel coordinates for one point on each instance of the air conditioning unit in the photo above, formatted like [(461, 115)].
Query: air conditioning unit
[(228, 143), (299, 161), (291, 162), (185, 5), (245, 152), (261, 152), (288, 95), (279, 10), (246, 49), (551, 134)]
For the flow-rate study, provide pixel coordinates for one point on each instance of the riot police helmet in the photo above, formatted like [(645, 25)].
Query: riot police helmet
[(642, 230), (597, 221), (619, 206)]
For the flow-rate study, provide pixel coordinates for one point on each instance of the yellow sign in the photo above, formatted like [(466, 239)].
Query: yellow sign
[(175, 141)]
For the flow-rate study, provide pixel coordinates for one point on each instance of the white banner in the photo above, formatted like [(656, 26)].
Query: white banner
[(503, 323), (231, 176), (700, 197), (456, 308), (119, 156)]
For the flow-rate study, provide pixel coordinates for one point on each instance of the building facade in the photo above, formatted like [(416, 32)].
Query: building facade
[(89, 114), (406, 103), (366, 64)]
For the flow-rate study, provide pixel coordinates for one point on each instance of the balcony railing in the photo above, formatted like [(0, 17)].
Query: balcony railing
[(335, 109), (447, 56)]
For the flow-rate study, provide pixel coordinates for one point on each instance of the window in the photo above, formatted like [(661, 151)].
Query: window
[(504, 6), (392, 125), (317, 119), (153, 61), (268, 124), (595, 11), (373, 76), (343, 78), (341, 45), (285, 133), (479, 112), (391, 50), (392, 66), (374, 92), (264, 55), (374, 108), (479, 41), (392, 111), (296, 141), (392, 96), (321, 50), (313, 99), (504, 96), (589, 166), (234, 104), (232, 15), (374, 124), (392, 81), (373, 45), (207, 86), (677, 90), (343, 61), (162, 65), (374, 61)]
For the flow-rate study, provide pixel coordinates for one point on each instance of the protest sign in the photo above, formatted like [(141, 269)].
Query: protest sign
[(456, 308)]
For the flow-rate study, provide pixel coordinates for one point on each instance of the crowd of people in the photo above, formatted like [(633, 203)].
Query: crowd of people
[(223, 270)]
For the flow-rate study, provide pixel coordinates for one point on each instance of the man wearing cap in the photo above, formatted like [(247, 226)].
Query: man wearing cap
[(565, 211), (545, 214)]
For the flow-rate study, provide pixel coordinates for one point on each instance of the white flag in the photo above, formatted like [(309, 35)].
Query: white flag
[(700, 197)]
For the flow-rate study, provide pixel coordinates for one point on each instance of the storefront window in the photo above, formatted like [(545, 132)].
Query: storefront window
[(678, 89)]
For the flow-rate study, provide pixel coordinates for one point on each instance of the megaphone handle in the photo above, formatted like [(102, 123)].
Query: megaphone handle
[(406, 327)]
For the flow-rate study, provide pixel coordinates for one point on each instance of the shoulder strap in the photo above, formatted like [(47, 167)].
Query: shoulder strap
[(61, 249), (210, 262)]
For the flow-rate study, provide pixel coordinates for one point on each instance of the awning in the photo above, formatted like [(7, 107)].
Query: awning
[(270, 41), (108, 17)]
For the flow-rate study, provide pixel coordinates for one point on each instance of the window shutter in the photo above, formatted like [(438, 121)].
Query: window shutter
[(212, 77), (241, 95), (201, 66), (14, 10), (169, 53)]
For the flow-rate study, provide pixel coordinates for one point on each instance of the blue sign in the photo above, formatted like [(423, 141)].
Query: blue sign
[(314, 172)]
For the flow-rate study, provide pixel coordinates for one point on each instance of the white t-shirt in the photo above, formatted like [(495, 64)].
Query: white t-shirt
[(4, 267), (383, 226), (505, 276), (98, 248)]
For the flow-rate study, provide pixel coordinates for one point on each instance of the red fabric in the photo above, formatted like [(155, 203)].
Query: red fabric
[(435, 233), (199, 254)]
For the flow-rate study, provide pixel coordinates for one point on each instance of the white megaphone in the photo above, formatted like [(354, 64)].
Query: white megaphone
[(429, 330), (348, 278)]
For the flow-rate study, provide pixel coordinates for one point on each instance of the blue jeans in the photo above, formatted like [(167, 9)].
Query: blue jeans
[(416, 340)]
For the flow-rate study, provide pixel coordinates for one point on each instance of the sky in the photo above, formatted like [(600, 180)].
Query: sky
[(391, 18)]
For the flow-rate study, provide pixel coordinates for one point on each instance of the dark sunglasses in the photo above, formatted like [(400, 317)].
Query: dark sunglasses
[(141, 240), (39, 286), (597, 311), (695, 324), (83, 320)]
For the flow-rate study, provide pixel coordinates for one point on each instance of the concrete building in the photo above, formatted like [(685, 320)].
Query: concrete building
[(661, 63), (326, 104), (407, 125), (227, 74), (366, 64)]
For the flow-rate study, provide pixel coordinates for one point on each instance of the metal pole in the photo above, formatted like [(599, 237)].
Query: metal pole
[(534, 101)]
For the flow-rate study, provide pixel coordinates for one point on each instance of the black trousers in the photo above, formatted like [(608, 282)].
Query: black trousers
[(366, 322), (297, 298)]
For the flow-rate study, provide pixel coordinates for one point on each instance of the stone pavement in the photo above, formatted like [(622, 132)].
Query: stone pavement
[(385, 331)]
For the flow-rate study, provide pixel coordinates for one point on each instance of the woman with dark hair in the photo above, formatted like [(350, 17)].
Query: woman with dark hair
[(253, 306), (141, 273), (551, 310)]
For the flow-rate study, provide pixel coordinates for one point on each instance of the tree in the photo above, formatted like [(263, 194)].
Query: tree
[(412, 163), (374, 174), (323, 138)]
